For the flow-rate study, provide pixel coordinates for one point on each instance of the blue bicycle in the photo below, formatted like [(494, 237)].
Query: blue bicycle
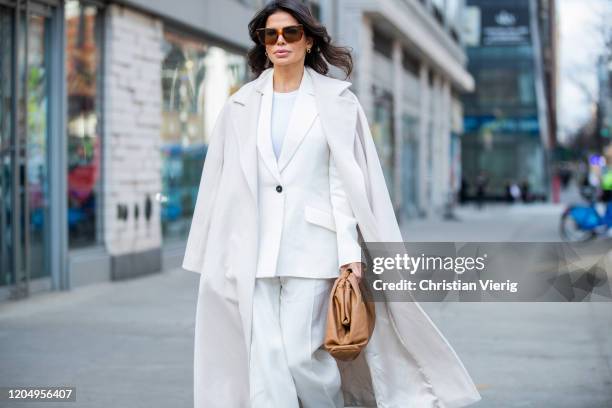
[(583, 222)]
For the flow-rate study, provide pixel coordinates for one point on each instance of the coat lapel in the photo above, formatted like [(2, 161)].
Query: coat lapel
[(339, 118), (246, 104), (318, 94)]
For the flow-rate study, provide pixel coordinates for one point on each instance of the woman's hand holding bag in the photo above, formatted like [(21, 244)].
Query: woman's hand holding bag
[(350, 318)]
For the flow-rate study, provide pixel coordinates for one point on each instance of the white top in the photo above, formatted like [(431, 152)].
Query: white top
[(282, 105)]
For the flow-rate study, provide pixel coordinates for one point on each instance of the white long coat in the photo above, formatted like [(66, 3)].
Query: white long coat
[(408, 362)]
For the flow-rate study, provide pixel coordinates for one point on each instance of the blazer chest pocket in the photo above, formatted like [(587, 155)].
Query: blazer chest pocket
[(320, 217)]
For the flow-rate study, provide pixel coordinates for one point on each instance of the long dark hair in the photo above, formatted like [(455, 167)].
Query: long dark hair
[(323, 52)]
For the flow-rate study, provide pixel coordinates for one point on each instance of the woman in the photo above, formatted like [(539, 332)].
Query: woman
[(290, 185)]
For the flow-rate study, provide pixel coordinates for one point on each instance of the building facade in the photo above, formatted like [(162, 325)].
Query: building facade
[(105, 112), (410, 69), (510, 122), (604, 79), (106, 108)]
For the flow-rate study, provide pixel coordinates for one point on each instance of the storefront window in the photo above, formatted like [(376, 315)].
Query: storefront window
[(506, 158), (82, 70), (383, 135), (508, 88), (410, 165), (197, 79), (6, 157), (497, 86), (37, 143)]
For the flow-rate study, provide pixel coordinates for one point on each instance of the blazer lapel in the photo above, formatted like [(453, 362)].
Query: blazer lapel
[(302, 117), (338, 117)]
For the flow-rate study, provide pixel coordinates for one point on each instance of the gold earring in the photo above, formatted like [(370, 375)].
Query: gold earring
[(308, 50)]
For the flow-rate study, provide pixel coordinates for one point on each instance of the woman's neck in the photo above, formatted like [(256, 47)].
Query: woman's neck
[(287, 78)]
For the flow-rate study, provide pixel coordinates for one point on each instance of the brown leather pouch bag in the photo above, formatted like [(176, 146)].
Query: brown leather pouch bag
[(350, 318)]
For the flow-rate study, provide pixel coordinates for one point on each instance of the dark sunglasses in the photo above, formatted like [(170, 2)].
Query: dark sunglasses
[(269, 36)]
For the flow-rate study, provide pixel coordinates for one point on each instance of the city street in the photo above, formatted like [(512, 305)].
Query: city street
[(524, 354), (123, 124), (130, 343), (496, 222)]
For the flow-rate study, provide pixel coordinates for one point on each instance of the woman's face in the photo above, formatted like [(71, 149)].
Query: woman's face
[(293, 53)]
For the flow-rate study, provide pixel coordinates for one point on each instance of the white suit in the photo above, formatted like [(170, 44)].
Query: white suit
[(306, 222), (407, 363), (306, 232)]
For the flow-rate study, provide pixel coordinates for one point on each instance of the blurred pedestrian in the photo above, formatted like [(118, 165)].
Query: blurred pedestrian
[(464, 190), (525, 191), (508, 195), (606, 194), (565, 175), (481, 188), (606, 185), (515, 191)]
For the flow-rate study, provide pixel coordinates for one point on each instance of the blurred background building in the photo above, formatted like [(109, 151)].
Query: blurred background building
[(410, 69), (106, 108), (510, 119), (604, 113), (105, 112)]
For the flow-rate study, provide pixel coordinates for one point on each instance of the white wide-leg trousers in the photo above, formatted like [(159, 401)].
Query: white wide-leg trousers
[(287, 358)]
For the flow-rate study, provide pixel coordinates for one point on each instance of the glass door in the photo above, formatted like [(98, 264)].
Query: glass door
[(37, 153), (24, 153), (7, 268)]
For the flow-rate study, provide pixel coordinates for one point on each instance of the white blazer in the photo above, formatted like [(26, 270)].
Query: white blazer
[(307, 226)]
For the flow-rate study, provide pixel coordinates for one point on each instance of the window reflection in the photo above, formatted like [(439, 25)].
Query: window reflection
[(37, 143), (410, 164), (383, 135), (6, 157), (82, 61), (197, 79)]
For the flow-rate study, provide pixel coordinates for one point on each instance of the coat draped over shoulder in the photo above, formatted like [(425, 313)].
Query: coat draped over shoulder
[(408, 362)]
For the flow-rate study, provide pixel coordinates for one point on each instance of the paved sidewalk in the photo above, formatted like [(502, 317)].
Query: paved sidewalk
[(495, 222), (523, 354), (124, 344), (130, 344)]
